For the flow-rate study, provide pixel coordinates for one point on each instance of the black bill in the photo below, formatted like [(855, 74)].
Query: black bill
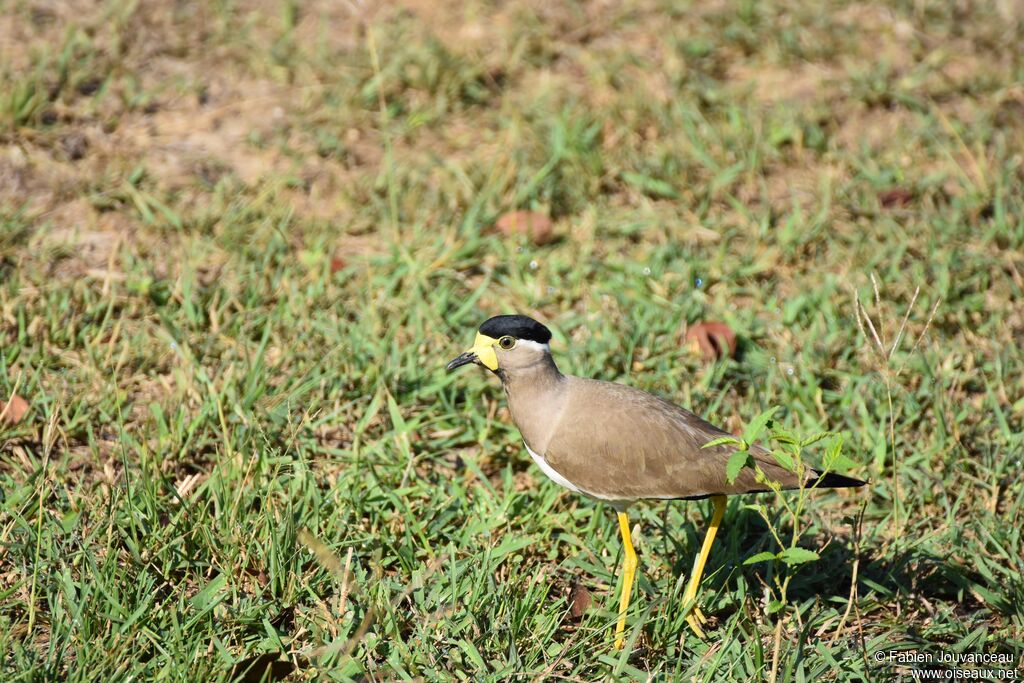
[(465, 359)]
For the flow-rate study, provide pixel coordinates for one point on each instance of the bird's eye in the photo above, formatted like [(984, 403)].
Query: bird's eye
[(507, 343)]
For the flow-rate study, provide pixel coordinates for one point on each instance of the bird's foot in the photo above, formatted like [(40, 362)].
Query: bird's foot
[(695, 617), (694, 623), (620, 632)]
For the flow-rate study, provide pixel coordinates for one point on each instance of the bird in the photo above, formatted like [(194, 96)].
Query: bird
[(620, 444)]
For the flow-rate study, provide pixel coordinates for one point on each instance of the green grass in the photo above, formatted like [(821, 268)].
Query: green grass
[(238, 244)]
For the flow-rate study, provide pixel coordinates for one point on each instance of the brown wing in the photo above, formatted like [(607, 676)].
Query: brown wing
[(617, 442)]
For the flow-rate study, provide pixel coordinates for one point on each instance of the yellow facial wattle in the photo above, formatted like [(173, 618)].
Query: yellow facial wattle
[(483, 348)]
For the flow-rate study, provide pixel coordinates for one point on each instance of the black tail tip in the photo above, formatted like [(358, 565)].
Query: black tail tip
[(831, 480)]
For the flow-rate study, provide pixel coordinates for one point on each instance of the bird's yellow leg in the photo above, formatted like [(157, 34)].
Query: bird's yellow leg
[(628, 573), (695, 618)]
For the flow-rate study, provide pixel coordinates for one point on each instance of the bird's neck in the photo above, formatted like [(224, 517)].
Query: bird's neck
[(536, 395)]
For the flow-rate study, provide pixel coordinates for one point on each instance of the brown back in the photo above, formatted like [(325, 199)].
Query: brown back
[(621, 443)]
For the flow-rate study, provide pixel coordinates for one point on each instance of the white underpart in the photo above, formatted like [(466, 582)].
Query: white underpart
[(619, 504), (549, 470)]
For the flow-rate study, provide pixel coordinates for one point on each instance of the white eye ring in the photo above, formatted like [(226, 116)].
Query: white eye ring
[(507, 342)]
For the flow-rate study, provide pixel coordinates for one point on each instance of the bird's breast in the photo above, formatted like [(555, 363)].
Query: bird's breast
[(536, 409)]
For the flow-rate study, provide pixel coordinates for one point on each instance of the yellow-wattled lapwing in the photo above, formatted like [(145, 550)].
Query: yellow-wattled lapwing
[(616, 443)]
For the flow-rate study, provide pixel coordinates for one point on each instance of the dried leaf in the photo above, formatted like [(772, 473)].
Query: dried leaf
[(13, 410), (352, 249), (579, 601), (896, 196), (534, 224), (712, 339)]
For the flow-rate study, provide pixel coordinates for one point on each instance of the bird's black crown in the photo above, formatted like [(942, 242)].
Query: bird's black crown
[(518, 326)]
